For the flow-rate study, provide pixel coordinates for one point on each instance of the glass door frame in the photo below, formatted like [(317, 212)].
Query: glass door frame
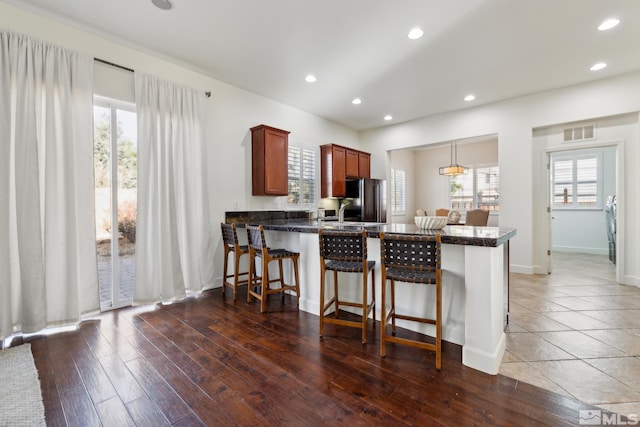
[(114, 106)]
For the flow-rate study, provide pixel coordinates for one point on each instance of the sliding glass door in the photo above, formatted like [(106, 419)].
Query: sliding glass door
[(115, 163)]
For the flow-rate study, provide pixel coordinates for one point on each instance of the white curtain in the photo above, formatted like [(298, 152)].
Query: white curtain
[(174, 249), (48, 273)]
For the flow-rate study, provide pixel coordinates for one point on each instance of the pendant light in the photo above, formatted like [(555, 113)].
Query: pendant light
[(454, 168)]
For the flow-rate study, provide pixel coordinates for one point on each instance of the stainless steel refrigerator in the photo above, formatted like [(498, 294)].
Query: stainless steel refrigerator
[(367, 200)]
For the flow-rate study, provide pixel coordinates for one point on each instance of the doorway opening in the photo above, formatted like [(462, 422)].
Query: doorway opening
[(582, 183), (115, 172)]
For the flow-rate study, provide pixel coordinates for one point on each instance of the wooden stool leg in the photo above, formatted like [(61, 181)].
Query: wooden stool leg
[(383, 317), (322, 285), (438, 324), (252, 274), (265, 284), (281, 276), (335, 292), (296, 276), (365, 303), (225, 269), (235, 274), (373, 295), (392, 311)]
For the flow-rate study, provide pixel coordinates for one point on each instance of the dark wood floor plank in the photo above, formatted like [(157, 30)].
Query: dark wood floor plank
[(162, 394), (113, 413), (146, 414), (211, 361), (123, 381), (78, 408)]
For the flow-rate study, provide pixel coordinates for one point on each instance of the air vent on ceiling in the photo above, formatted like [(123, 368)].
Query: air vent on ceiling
[(580, 133)]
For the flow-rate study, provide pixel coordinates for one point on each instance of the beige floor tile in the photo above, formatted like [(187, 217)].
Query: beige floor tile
[(576, 320), (529, 347), (583, 303), (624, 319), (580, 345), (514, 307), (626, 340), (587, 314), (509, 357), (587, 383), (534, 322), (526, 372), (538, 305), (624, 369)]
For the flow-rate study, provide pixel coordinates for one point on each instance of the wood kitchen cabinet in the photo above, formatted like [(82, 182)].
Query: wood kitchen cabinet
[(364, 165), (333, 182), (338, 163), (351, 165), (269, 160)]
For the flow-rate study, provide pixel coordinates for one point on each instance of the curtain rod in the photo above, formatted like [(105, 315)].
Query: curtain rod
[(122, 67)]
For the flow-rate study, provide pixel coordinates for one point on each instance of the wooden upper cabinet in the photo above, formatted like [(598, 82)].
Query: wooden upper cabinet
[(332, 171), (269, 161), (351, 168), (364, 165), (338, 163)]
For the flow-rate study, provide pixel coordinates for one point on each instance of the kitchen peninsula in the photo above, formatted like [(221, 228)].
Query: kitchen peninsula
[(475, 279)]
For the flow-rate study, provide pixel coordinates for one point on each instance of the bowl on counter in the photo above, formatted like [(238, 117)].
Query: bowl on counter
[(431, 222)]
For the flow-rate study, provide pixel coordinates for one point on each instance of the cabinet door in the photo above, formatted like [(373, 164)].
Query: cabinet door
[(339, 176), (364, 165), (351, 167), (269, 160), (276, 157)]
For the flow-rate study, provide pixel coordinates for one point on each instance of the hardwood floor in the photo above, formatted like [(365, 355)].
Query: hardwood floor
[(208, 361)]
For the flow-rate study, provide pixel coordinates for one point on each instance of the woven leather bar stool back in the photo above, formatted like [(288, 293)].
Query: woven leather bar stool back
[(346, 252), (231, 245), (410, 259), (260, 285)]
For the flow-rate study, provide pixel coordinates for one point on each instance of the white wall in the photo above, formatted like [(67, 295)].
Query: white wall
[(513, 121), (231, 112)]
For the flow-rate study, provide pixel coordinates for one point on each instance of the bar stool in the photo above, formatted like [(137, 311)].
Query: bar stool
[(343, 251), (258, 249), (411, 259), (230, 239)]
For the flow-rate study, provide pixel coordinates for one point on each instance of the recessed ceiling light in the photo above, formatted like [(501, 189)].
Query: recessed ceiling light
[(469, 97), (415, 33), (609, 24), (162, 4), (310, 78), (356, 101), (388, 117), (598, 66)]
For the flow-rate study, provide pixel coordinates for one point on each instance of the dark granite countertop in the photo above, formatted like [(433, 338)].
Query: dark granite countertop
[(451, 234)]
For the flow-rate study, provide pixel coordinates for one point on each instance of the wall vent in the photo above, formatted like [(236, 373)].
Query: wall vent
[(580, 133)]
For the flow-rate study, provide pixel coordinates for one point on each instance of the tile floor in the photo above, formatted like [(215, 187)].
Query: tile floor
[(577, 332)]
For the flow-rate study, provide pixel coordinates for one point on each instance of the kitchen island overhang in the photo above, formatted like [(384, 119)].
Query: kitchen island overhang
[(475, 281)]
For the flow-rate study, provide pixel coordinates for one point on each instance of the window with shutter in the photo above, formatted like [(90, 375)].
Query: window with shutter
[(302, 176), (478, 188), (576, 180), (398, 192)]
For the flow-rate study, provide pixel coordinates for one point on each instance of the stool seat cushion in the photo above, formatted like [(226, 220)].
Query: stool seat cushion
[(348, 266), (411, 275), (243, 248)]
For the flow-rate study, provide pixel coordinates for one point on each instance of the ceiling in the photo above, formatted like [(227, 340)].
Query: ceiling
[(495, 49)]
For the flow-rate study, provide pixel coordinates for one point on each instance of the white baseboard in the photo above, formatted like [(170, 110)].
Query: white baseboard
[(522, 269), (581, 250)]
